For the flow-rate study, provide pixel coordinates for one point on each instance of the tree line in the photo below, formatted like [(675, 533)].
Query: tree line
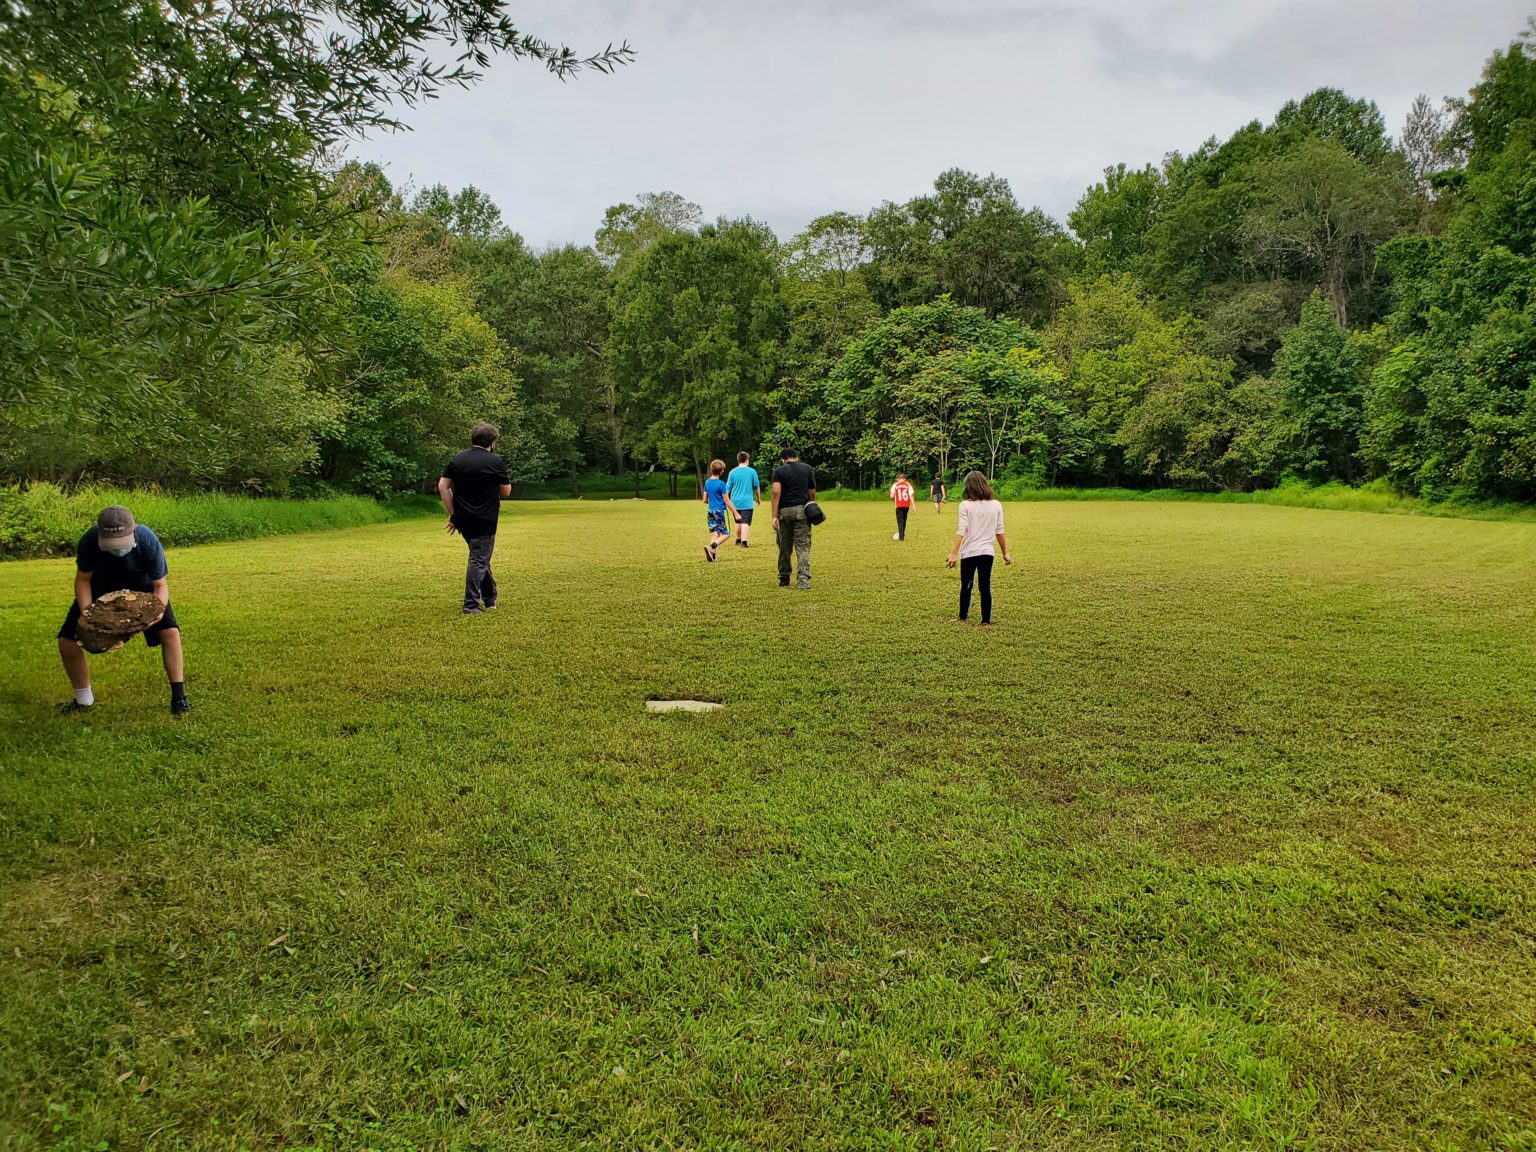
[(194, 291)]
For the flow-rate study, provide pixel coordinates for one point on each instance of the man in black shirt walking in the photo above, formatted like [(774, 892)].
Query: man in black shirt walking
[(472, 488), (794, 486)]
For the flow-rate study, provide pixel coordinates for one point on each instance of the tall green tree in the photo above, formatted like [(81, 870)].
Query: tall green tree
[(1124, 369), (629, 230), (694, 342), (468, 213), (910, 383), (1322, 373), (1452, 407), (1328, 114), (1317, 214), (1113, 219), (828, 302), (417, 369), (970, 239), (552, 310), (163, 198)]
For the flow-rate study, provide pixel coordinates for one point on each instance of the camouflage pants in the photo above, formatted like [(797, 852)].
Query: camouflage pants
[(795, 534)]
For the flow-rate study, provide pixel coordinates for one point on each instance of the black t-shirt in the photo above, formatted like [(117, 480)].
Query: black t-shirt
[(795, 479), (137, 571), (477, 476)]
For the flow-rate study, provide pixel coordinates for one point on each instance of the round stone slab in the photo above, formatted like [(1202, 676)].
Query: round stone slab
[(681, 705)]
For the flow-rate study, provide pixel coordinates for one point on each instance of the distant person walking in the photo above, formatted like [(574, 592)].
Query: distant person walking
[(936, 492), (472, 488), (901, 493), (981, 522), (118, 554), (746, 488), (717, 502), (794, 486)]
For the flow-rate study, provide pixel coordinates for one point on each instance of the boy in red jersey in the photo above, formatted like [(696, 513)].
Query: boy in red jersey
[(901, 493)]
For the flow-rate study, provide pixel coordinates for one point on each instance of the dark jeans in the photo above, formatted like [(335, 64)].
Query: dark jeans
[(479, 584), (976, 569), (901, 522), (795, 540)]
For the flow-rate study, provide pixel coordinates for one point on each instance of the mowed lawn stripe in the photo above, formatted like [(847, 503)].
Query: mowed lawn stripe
[(1222, 837)]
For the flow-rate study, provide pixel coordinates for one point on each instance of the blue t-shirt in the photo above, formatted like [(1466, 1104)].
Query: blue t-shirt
[(138, 570), (714, 488), (744, 485)]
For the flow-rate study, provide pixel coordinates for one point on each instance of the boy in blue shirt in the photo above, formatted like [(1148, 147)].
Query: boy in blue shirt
[(717, 497), (745, 487)]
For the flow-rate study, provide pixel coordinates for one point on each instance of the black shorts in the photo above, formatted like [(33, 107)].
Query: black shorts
[(744, 515), (151, 634)]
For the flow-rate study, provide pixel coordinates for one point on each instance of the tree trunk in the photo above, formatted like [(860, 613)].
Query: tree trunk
[(615, 433), (1338, 292)]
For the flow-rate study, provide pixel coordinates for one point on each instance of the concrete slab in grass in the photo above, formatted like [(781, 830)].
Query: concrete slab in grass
[(682, 705)]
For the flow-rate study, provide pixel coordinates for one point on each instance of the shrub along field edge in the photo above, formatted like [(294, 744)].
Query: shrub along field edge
[(1335, 497), (45, 520)]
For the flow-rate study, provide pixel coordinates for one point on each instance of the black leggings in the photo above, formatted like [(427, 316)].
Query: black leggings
[(972, 567), (901, 522)]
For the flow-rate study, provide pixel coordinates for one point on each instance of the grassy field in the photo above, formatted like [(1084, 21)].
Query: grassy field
[(1224, 837)]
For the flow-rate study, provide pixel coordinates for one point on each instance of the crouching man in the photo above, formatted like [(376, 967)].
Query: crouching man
[(121, 554)]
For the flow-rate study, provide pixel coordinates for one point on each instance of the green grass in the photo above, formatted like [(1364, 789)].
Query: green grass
[(1224, 837), (44, 520)]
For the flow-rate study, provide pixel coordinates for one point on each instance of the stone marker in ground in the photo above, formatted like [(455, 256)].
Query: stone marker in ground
[(681, 705)]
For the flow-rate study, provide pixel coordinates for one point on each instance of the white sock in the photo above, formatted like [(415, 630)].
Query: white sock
[(85, 697)]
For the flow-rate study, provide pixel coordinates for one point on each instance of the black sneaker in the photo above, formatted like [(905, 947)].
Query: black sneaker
[(783, 583), (180, 706), (709, 553), (70, 707), (475, 611), (491, 607)]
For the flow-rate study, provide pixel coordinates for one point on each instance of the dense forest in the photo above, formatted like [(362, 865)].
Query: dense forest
[(197, 290)]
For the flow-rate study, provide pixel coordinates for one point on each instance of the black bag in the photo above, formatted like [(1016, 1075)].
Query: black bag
[(814, 515)]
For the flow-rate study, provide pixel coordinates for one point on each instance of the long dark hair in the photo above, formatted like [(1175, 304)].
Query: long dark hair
[(977, 488)]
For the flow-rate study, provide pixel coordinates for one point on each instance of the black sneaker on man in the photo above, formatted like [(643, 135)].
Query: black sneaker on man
[(70, 707), (180, 706)]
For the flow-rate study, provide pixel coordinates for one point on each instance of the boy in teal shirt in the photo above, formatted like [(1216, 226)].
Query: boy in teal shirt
[(745, 487)]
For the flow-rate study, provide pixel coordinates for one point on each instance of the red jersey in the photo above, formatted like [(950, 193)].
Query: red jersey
[(901, 492)]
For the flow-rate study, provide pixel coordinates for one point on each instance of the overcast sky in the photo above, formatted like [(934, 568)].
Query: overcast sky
[(786, 109)]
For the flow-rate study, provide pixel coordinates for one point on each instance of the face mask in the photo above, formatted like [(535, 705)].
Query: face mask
[(120, 551)]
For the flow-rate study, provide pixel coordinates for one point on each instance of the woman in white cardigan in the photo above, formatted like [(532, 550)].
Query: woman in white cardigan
[(981, 522)]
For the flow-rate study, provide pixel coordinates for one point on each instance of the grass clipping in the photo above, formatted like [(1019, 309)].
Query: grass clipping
[(116, 618)]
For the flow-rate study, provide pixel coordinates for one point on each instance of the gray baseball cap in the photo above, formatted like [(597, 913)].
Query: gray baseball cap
[(115, 527)]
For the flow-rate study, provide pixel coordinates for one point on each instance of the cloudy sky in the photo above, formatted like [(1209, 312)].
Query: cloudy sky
[(785, 109)]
